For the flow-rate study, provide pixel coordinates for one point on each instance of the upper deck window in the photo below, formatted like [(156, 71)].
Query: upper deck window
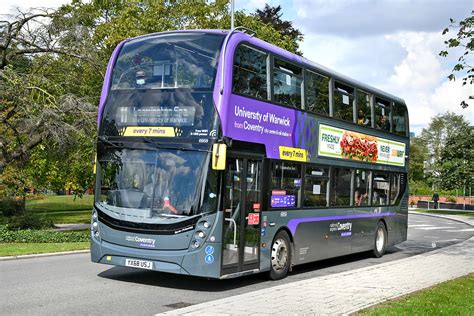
[(250, 72), (364, 116), (173, 60), (382, 114), (343, 102), (287, 79), (317, 93), (399, 119)]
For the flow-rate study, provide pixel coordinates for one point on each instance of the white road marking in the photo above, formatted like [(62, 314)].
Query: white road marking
[(461, 230), (433, 228), (420, 225)]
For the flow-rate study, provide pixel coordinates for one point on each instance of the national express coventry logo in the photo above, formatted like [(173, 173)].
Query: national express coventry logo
[(143, 242), (345, 228)]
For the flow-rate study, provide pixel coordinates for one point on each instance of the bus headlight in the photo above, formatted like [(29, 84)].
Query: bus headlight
[(95, 225), (206, 224), (195, 244), (200, 234)]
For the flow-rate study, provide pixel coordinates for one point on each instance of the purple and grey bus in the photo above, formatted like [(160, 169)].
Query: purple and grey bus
[(220, 155)]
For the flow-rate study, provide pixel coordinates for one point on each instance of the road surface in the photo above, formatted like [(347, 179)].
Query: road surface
[(73, 285)]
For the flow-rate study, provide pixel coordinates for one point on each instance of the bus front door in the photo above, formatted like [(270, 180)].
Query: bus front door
[(242, 205)]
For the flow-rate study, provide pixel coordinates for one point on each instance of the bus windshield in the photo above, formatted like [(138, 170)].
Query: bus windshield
[(164, 81), (142, 185)]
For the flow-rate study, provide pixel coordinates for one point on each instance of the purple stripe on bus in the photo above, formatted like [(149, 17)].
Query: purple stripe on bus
[(293, 223), (107, 78)]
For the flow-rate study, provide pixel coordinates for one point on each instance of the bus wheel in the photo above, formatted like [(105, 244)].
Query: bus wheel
[(380, 242), (281, 256)]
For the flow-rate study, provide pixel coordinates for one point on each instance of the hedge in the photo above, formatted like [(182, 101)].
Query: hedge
[(42, 236)]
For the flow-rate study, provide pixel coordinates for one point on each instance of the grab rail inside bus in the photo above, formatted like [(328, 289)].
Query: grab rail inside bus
[(242, 29), (235, 228)]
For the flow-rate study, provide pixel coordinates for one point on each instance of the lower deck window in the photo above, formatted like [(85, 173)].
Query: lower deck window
[(285, 185), (381, 188), (341, 187), (315, 186)]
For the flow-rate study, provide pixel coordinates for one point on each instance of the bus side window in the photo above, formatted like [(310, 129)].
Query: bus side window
[(317, 93), (364, 116), (397, 187), (287, 80), (343, 102), (382, 115), (380, 188), (286, 185), (250, 72), (315, 186), (341, 187), (361, 187), (399, 115)]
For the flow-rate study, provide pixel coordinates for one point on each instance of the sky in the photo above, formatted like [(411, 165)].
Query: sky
[(392, 45)]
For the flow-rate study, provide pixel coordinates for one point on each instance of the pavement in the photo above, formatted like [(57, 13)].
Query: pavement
[(350, 291)]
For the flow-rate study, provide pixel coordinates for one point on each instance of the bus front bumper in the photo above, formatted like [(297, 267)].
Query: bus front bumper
[(172, 261)]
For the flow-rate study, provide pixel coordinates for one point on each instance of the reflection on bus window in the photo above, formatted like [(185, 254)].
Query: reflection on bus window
[(364, 115), (380, 188), (167, 61), (285, 185), (382, 115), (399, 115), (341, 187), (287, 83), (315, 186), (250, 72), (343, 102), (361, 187), (317, 93)]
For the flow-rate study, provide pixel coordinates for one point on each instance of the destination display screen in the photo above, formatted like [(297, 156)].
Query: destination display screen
[(157, 115)]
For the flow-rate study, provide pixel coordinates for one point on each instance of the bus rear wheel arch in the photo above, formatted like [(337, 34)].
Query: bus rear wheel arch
[(380, 240), (281, 253)]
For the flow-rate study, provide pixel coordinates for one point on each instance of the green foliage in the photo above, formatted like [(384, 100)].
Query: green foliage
[(433, 140), (10, 206), (42, 236), (28, 220), (451, 199), (17, 249), (450, 298), (463, 39), (418, 155), (51, 77), (456, 159)]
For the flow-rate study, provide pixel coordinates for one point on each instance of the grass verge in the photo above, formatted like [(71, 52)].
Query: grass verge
[(449, 298), (444, 212), (60, 209), (16, 249)]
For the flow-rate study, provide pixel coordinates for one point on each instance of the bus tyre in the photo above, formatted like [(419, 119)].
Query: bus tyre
[(280, 256), (380, 242)]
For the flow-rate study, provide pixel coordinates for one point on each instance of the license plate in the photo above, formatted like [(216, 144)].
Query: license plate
[(142, 264)]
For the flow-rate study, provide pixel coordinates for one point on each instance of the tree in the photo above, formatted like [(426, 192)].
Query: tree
[(418, 155), (434, 137), (463, 39), (272, 16), (52, 64), (457, 157)]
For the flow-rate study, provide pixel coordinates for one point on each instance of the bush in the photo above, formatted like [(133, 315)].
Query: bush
[(10, 207), (451, 199), (42, 236), (28, 221)]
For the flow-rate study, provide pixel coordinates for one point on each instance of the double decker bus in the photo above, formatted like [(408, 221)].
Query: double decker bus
[(220, 155)]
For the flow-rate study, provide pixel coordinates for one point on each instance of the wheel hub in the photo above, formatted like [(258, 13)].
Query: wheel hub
[(279, 255)]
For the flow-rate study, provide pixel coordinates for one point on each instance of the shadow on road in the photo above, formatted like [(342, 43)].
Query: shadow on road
[(193, 283)]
